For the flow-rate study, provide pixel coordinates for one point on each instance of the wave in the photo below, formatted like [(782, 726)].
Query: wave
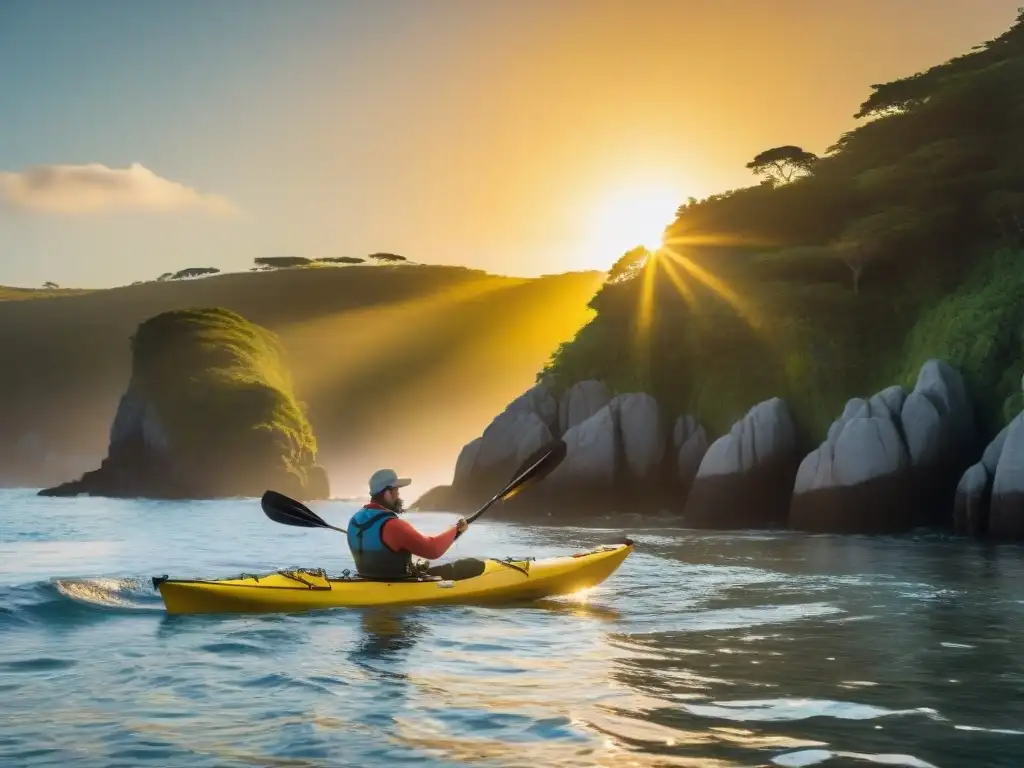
[(62, 601)]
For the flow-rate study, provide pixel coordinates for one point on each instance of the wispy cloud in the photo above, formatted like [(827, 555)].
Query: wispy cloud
[(94, 188)]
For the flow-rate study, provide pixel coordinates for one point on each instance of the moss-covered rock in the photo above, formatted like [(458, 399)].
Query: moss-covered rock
[(209, 412)]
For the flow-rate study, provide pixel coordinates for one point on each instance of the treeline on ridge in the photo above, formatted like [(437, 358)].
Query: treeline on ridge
[(841, 273)]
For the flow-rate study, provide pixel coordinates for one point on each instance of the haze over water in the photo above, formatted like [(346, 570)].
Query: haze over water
[(743, 649)]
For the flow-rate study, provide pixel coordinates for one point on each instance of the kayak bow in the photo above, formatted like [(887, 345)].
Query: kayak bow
[(299, 589)]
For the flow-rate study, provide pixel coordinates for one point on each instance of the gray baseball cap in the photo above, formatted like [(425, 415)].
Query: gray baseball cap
[(386, 478)]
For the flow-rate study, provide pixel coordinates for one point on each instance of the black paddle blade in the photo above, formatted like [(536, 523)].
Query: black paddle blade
[(537, 466), (282, 509)]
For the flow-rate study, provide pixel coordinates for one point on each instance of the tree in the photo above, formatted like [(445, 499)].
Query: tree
[(628, 264), (854, 255), (898, 96), (880, 233), (49, 285), (165, 277), (389, 257), (276, 262), (782, 163), (909, 93), (194, 272), (341, 260)]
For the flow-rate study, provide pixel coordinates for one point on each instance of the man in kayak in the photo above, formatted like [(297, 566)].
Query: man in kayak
[(383, 544)]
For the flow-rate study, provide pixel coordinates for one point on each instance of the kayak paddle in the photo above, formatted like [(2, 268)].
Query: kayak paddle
[(282, 509), (288, 511), (538, 466)]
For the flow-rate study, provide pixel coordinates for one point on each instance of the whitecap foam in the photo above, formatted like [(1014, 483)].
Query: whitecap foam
[(771, 710), (808, 757), (125, 593)]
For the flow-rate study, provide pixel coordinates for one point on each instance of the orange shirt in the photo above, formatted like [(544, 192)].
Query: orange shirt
[(398, 535)]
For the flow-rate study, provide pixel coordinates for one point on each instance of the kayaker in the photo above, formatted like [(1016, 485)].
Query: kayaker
[(383, 544)]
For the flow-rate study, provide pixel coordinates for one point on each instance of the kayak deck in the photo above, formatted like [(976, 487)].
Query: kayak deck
[(303, 590)]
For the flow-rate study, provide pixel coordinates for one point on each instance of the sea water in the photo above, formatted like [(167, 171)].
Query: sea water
[(704, 649)]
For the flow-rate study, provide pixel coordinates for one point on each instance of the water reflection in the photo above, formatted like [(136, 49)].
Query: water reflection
[(578, 606), (386, 633)]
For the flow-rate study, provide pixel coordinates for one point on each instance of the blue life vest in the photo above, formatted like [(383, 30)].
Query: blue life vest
[(373, 558)]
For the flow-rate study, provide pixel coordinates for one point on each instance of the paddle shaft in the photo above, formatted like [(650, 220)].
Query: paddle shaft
[(516, 483)]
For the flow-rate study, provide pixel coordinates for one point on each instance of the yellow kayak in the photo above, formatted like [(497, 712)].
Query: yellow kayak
[(306, 590)]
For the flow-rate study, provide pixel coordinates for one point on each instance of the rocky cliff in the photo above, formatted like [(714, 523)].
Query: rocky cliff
[(209, 412), (891, 462)]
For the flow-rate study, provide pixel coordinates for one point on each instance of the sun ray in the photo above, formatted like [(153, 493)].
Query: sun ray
[(684, 290), (707, 239), (716, 284), (645, 314), (646, 306)]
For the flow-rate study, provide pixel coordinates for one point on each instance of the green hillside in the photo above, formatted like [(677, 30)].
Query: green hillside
[(839, 274), (398, 365)]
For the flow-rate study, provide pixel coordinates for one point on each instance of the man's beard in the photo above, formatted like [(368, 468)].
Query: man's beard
[(397, 506)]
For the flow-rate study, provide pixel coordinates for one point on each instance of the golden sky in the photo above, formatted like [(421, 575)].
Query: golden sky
[(524, 137)]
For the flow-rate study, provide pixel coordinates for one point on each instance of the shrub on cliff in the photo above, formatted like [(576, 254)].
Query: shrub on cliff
[(979, 329)]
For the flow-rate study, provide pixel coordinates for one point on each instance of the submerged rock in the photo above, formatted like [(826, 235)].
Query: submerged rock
[(208, 413)]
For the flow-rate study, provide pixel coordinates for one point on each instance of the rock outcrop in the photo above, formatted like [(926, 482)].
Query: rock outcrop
[(591, 471), (974, 492), (208, 413), (1006, 508), (990, 496), (580, 402), (890, 463), (623, 454), (689, 444), (745, 478), (440, 497), (487, 462), (615, 461)]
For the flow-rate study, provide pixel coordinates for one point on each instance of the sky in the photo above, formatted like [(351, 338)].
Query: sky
[(524, 137)]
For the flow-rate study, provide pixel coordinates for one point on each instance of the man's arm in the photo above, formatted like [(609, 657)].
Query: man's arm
[(399, 534)]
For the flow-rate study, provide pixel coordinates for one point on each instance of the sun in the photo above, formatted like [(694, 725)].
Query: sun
[(631, 216)]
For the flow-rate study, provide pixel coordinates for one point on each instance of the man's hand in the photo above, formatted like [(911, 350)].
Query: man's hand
[(461, 525)]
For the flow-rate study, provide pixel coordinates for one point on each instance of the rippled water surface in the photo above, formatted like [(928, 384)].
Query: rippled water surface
[(703, 650)]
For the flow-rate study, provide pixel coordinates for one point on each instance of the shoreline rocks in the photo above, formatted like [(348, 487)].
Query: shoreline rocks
[(745, 478), (891, 463), (623, 451), (990, 495)]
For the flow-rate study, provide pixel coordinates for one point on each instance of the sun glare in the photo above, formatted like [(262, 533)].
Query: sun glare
[(630, 217)]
